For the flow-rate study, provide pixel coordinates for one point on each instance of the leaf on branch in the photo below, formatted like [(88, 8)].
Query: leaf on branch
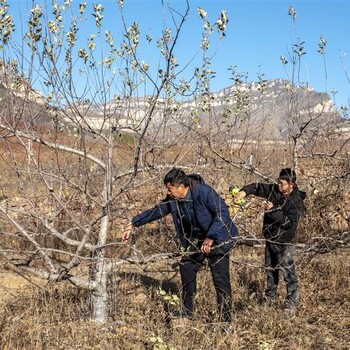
[(201, 13)]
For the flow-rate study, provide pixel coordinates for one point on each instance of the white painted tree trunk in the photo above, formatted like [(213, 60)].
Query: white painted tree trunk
[(99, 277)]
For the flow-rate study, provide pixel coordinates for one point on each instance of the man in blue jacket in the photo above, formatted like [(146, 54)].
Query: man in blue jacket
[(204, 227), (283, 210)]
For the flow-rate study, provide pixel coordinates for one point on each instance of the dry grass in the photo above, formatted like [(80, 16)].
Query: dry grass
[(57, 317)]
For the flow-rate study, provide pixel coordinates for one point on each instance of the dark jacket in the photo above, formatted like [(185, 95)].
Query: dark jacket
[(210, 209), (281, 222)]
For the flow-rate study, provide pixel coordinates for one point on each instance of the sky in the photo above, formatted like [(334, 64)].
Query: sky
[(260, 32), (257, 35)]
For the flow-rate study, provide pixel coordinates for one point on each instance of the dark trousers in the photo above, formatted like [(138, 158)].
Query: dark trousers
[(280, 257), (219, 267)]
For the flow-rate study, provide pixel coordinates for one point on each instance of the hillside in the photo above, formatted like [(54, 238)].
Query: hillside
[(271, 109)]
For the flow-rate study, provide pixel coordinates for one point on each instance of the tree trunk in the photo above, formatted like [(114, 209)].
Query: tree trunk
[(99, 277)]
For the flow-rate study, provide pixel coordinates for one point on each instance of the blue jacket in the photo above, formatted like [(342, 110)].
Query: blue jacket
[(210, 209)]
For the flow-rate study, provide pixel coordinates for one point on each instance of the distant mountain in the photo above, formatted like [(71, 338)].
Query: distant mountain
[(270, 108)]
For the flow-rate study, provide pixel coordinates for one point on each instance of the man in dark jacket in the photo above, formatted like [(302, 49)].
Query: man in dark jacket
[(284, 208), (204, 227)]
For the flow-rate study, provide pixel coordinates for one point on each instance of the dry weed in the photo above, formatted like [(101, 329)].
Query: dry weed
[(57, 317)]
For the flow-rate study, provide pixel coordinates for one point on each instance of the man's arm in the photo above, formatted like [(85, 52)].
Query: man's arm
[(258, 189), (157, 212), (289, 219)]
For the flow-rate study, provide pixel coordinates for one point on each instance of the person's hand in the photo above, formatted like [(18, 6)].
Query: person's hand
[(268, 205), (127, 231), (239, 199), (239, 195), (206, 246)]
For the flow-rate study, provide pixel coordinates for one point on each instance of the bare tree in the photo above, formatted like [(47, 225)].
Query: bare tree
[(86, 120), (73, 149)]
